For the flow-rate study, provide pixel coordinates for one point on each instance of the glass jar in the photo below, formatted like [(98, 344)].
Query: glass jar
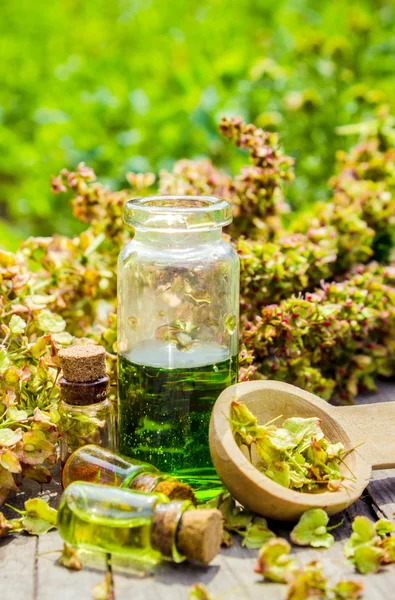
[(142, 526), (96, 464), (116, 520), (86, 416), (178, 303)]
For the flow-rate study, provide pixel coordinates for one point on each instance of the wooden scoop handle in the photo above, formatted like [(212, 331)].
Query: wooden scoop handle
[(374, 425)]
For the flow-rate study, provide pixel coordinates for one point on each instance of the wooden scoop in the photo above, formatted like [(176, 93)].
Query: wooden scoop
[(372, 425)]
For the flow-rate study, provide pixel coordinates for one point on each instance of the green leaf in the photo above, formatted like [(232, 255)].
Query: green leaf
[(199, 592), (274, 562), (15, 414), (296, 431), (384, 527), (37, 507), (39, 518), (227, 538), (64, 338), (282, 439), (303, 430), (311, 530), (49, 322), (309, 582), (235, 518), (69, 558), (104, 589), (279, 472), (7, 484), (9, 461), (243, 423), (40, 346), (37, 473), (17, 325), (9, 526), (36, 447), (214, 502), (4, 360), (41, 299), (368, 559), (334, 450), (363, 533), (388, 546), (257, 533), (315, 453), (297, 478), (267, 452), (347, 590), (9, 437)]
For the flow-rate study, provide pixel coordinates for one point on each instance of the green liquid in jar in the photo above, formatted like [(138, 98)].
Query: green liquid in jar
[(164, 413), (103, 518)]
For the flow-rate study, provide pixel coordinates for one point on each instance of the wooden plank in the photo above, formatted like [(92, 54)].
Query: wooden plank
[(382, 485), (37, 557), (53, 578), (382, 491), (18, 552), (17, 557), (385, 393), (230, 575)]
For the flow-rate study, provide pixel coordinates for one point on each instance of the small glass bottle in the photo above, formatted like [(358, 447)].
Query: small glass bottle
[(141, 526), (95, 464), (86, 414), (178, 310)]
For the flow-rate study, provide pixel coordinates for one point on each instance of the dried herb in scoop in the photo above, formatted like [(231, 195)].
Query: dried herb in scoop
[(296, 455)]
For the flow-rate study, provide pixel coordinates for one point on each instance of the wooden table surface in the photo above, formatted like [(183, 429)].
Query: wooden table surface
[(29, 569)]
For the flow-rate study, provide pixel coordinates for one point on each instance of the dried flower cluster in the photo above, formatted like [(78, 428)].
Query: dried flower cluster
[(331, 341), (257, 190), (254, 530), (199, 592), (195, 178), (370, 545), (276, 563), (37, 519), (296, 455), (330, 337), (31, 334)]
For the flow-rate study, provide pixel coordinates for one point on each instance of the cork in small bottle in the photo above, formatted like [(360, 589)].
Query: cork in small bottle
[(197, 533), (84, 380), (83, 363), (173, 489)]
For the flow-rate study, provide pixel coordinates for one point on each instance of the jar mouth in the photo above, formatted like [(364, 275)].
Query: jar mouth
[(175, 213)]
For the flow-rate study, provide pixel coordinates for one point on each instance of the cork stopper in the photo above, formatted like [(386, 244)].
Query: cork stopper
[(173, 489), (199, 534), (164, 526), (196, 534), (83, 363)]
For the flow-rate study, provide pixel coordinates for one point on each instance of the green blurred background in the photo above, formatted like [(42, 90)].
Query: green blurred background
[(131, 85)]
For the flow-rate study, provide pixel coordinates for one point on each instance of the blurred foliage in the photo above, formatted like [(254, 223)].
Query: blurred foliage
[(132, 85)]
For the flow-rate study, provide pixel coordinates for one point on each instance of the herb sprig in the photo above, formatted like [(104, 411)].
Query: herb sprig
[(296, 455)]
